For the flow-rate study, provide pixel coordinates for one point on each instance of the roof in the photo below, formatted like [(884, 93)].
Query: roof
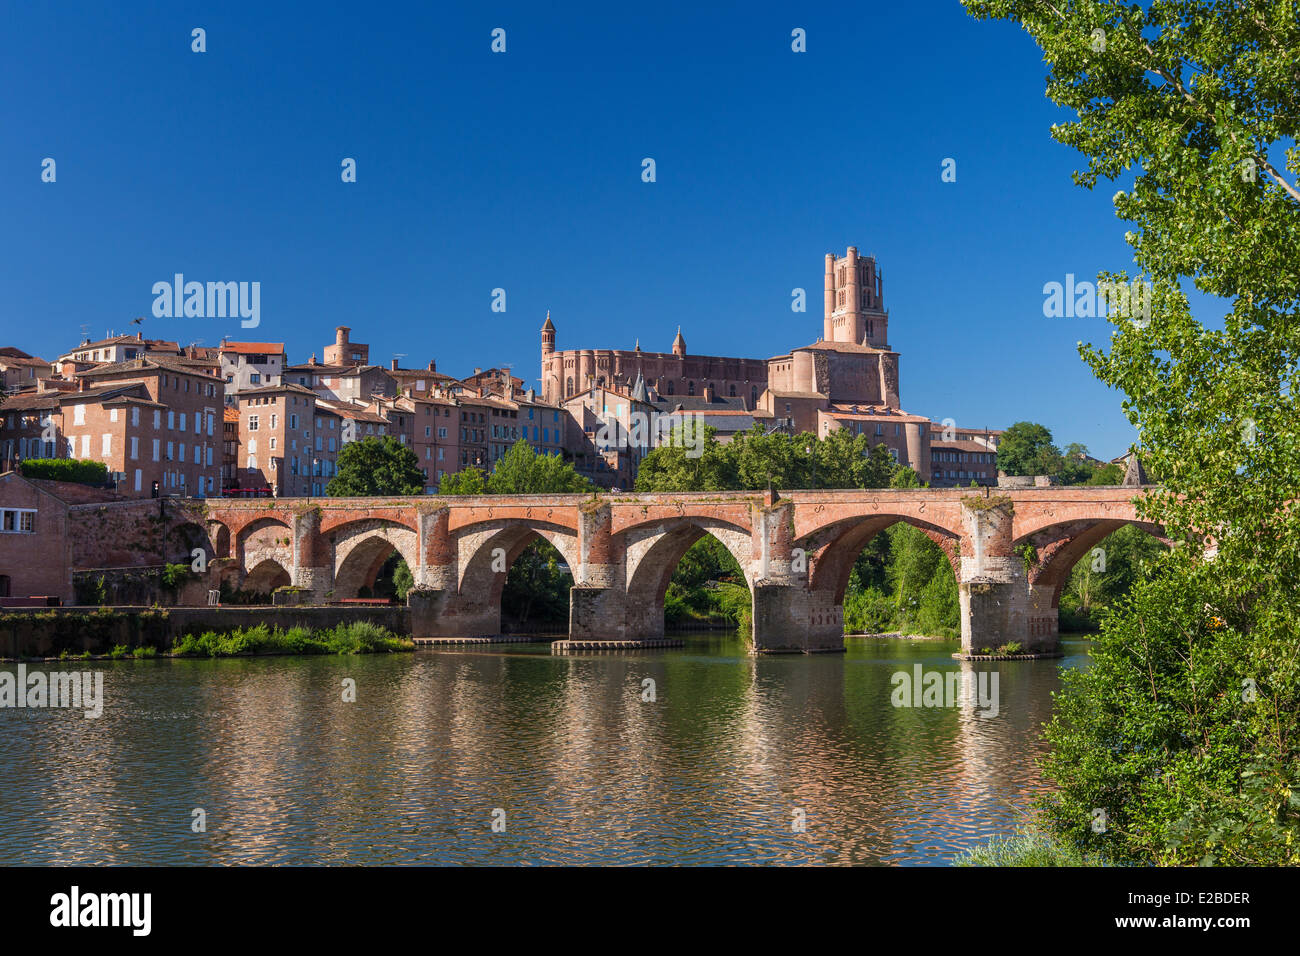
[(99, 393), (253, 348), (68, 492), (229, 414), (961, 445), (719, 403), (355, 412), (13, 356), (150, 361), (149, 344), (824, 346), (272, 389), (805, 395), (30, 401)]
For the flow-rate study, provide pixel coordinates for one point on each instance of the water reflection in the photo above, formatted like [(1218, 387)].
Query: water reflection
[(713, 770)]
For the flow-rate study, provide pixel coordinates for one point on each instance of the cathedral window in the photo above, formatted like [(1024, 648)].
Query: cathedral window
[(690, 388)]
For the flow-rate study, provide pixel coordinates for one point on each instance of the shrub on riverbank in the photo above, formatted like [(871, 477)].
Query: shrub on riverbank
[(359, 637), (1028, 848)]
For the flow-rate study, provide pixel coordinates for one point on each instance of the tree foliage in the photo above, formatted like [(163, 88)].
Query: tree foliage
[(1186, 728), (376, 466), (754, 459), (83, 471), (1026, 449), (520, 471)]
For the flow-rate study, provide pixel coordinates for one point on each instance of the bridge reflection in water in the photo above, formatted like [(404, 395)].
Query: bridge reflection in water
[(587, 770)]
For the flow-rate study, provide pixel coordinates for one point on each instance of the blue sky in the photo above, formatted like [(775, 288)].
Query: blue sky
[(522, 171)]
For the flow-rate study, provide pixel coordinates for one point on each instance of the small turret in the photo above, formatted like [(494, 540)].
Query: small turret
[(548, 334), (679, 343)]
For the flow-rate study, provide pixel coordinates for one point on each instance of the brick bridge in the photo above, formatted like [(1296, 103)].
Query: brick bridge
[(796, 550)]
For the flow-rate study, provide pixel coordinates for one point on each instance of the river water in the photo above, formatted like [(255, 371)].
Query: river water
[(736, 759)]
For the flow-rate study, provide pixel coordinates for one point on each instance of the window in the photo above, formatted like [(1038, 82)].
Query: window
[(252, 423), (135, 447), (19, 520), (79, 414), (106, 444), (155, 449)]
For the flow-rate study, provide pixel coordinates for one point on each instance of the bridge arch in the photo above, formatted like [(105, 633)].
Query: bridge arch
[(833, 549), (1059, 547), (652, 555), (362, 547), (266, 538), (265, 576)]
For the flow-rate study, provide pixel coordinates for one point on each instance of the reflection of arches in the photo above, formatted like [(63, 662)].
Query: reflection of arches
[(653, 554), (833, 550), (268, 575)]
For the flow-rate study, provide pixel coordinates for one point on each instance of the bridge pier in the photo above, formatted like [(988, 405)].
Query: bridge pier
[(789, 616), (313, 564), (998, 604), (791, 619)]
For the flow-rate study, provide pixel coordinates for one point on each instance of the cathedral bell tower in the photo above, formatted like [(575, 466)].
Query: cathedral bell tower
[(854, 304)]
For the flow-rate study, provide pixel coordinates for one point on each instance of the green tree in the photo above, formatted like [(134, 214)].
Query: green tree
[(1186, 726), (376, 466), (467, 481), (521, 471), (676, 465), (1026, 449)]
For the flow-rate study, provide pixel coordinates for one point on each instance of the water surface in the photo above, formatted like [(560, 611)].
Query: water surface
[(721, 767)]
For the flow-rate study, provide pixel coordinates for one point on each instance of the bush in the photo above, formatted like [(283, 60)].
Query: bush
[(359, 637), (81, 471), (868, 612), (1028, 848)]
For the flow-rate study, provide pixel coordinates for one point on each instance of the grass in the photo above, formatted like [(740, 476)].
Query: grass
[(359, 637), (1028, 848)]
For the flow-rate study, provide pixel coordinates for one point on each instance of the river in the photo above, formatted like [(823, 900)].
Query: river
[(736, 759)]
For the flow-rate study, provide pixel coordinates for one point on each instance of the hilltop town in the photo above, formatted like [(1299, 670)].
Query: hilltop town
[(239, 419)]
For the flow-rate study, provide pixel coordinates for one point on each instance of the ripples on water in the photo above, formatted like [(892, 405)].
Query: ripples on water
[(586, 771)]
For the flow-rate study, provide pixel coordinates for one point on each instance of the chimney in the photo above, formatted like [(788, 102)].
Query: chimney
[(341, 335), (433, 366), (477, 371), (708, 392), (394, 366)]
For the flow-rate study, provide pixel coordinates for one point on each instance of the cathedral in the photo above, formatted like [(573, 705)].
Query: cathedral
[(848, 378)]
